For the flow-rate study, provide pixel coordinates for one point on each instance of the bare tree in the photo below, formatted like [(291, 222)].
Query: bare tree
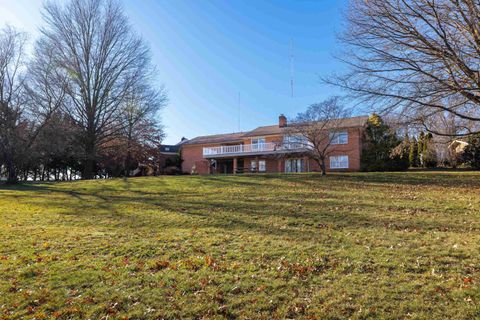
[(12, 98), (102, 60), (139, 116), (26, 101), (317, 128), (415, 59)]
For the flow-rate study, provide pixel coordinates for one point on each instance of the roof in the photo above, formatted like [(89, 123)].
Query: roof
[(263, 131), (169, 148), (172, 148), (217, 138), (352, 122)]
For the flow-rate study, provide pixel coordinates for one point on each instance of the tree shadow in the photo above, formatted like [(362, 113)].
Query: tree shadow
[(282, 213)]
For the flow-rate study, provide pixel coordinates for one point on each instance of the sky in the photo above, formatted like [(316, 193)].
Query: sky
[(226, 64)]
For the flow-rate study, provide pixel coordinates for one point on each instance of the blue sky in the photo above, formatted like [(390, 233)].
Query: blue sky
[(209, 52)]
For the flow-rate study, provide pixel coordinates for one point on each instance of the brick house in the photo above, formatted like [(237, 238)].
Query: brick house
[(271, 149)]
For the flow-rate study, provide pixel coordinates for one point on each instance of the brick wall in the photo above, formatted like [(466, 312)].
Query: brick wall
[(191, 155), (353, 150)]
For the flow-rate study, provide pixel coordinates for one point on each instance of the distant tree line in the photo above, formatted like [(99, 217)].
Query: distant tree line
[(85, 104), (384, 149)]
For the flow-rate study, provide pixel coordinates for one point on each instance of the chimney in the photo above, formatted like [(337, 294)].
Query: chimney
[(282, 121)]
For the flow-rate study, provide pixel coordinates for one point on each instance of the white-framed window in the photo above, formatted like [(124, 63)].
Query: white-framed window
[(339, 162), (258, 143), (262, 165), (253, 165), (339, 137), (293, 142)]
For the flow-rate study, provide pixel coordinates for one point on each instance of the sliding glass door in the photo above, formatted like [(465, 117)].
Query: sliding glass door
[(294, 165)]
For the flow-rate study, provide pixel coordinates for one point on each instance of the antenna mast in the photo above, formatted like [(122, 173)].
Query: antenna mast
[(239, 104), (291, 67)]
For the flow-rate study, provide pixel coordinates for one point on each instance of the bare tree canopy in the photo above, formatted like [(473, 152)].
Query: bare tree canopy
[(103, 64), (317, 127), (12, 98), (416, 59), (13, 124)]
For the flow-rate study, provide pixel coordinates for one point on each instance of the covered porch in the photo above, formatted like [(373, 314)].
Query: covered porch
[(260, 164)]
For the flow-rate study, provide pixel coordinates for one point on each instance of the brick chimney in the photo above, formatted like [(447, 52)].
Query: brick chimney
[(282, 121)]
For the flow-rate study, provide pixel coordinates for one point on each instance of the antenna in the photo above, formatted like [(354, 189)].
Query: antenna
[(239, 104), (291, 67)]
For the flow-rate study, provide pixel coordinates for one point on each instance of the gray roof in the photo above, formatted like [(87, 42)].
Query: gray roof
[(165, 148), (217, 138), (265, 130), (352, 122)]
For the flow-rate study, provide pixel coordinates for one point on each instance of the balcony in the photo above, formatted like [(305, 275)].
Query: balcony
[(253, 149)]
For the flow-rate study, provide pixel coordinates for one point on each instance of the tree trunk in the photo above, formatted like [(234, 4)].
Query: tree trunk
[(323, 167), (89, 166), (129, 153), (127, 163), (11, 170)]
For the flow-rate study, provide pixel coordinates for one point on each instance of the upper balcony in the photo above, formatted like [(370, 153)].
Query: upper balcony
[(253, 149)]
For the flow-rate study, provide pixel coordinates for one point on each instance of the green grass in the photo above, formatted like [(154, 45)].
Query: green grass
[(375, 245)]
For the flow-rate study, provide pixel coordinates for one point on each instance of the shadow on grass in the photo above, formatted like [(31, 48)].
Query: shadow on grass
[(133, 205)]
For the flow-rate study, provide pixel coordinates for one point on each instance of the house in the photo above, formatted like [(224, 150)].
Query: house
[(272, 149), (457, 146), (169, 157)]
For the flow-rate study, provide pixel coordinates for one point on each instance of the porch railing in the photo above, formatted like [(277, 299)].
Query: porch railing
[(251, 148)]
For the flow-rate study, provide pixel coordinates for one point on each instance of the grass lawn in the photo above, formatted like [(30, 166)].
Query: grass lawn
[(363, 245)]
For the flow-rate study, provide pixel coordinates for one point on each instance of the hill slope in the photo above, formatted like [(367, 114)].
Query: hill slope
[(392, 245)]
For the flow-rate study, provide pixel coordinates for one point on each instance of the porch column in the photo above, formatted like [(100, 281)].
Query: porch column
[(208, 164), (257, 169), (279, 166), (235, 165)]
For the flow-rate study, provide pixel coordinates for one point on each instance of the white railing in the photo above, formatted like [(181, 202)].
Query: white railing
[(251, 148)]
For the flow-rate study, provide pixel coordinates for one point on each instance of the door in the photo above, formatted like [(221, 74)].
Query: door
[(240, 166), (294, 165)]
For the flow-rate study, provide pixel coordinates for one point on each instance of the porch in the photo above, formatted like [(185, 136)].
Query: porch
[(259, 164), (254, 149)]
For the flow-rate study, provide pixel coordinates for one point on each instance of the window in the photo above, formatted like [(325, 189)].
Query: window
[(253, 165), (339, 137), (258, 144), (294, 142), (258, 141), (262, 166), (339, 162), (294, 165)]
